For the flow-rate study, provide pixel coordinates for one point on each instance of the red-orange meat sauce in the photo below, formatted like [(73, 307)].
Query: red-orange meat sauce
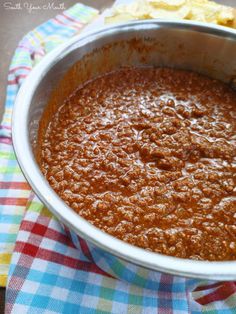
[(148, 155)]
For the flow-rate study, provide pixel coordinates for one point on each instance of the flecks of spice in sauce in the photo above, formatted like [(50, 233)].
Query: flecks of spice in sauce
[(149, 156)]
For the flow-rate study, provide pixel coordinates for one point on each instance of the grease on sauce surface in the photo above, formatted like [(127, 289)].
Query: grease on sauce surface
[(148, 155)]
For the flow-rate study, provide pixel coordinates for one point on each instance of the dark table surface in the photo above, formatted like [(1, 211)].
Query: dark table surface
[(14, 24)]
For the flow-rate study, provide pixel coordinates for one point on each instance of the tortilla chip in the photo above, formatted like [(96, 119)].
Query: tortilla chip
[(196, 10)]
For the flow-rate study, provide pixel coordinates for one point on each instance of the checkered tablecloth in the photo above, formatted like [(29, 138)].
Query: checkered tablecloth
[(47, 273)]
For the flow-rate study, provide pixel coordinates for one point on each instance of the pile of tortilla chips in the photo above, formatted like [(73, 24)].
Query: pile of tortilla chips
[(196, 10)]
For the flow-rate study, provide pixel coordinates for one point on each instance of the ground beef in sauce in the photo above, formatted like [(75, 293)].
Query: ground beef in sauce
[(149, 156)]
